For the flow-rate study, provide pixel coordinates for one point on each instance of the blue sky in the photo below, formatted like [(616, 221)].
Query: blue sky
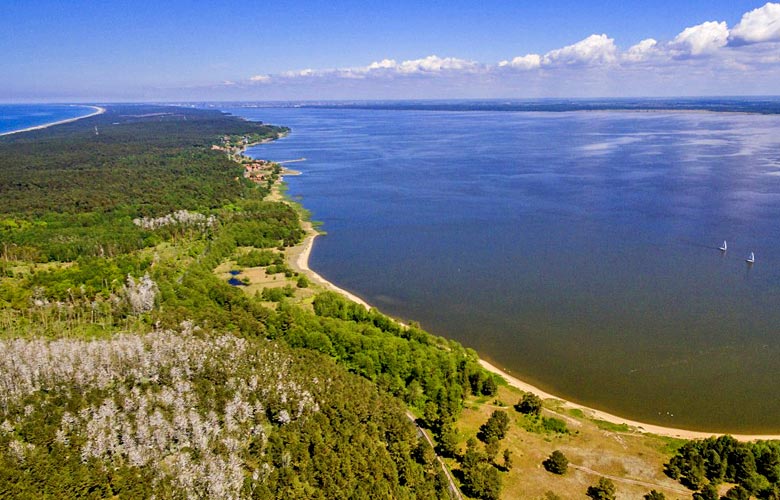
[(175, 50)]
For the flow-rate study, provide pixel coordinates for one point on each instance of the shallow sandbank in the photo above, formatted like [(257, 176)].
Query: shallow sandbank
[(98, 110)]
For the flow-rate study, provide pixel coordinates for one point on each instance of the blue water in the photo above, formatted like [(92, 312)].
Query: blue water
[(22, 116), (577, 250)]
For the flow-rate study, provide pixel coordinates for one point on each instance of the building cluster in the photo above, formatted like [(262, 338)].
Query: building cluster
[(258, 170)]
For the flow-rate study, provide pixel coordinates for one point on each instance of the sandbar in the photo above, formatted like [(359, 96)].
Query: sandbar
[(98, 110)]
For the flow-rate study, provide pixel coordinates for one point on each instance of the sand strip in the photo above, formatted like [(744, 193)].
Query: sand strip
[(299, 260), (301, 264), (98, 110), (602, 415)]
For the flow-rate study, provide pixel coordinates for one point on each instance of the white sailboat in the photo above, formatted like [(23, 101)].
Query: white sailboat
[(751, 259), (723, 247)]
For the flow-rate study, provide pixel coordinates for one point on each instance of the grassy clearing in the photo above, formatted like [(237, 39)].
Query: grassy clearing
[(635, 461)]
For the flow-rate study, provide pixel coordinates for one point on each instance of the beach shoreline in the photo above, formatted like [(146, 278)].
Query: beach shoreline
[(98, 111), (298, 259), (300, 263)]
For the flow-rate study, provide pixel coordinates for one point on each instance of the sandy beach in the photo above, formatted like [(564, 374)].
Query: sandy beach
[(300, 263), (299, 260), (98, 110), (633, 424)]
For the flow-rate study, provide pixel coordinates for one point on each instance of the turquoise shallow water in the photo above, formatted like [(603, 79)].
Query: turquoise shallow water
[(578, 250), (22, 116)]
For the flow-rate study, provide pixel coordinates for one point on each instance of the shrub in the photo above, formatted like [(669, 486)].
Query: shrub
[(530, 404), (604, 490), (738, 493), (277, 294), (557, 463), (495, 428), (258, 258), (708, 492), (489, 386), (554, 425)]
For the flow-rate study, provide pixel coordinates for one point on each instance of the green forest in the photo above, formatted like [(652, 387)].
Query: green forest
[(130, 369)]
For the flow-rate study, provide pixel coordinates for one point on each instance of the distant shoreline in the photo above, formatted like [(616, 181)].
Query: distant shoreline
[(299, 260), (98, 111)]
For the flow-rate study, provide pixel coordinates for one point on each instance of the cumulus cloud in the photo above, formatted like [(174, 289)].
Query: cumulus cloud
[(596, 49), (759, 25), (427, 65), (702, 39), (383, 64), (642, 51), (435, 64), (430, 64), (528, 61), (706, 49), (301, 73)]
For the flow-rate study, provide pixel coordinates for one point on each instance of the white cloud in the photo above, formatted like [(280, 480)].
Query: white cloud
[(702, 39), (528, 61), (642, 51), (759, 25), (427, 65), (676, 66), (383, 64), (302, 72), (435, 64), (596, 49)]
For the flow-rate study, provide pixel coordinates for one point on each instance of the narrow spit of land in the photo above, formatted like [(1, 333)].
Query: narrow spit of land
[(98, 111), (298, 259)]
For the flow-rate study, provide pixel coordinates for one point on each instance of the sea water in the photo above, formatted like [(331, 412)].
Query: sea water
[(22, 116), (578, 250)]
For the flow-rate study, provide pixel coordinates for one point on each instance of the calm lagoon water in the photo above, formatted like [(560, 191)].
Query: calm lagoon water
[(22, 116), (577, 250)]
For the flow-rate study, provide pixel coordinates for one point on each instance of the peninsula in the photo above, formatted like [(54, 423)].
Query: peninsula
[(97, 110)]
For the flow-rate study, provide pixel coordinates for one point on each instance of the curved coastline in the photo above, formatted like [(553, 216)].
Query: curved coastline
[(98, 111), (300, 262)]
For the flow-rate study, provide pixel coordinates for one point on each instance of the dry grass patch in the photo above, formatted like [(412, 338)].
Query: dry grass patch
[(633, 461)]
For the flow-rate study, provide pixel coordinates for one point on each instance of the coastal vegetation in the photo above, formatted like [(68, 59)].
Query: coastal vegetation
[(753, 468), (130, 368), (603, 490), (557, 463), (156, 338), (211, 416)]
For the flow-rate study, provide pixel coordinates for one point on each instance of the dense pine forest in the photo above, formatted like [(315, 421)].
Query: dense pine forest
[(130, 369)]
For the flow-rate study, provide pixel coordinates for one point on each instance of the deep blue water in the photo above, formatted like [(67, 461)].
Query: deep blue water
[(576, 249), (22, 116)]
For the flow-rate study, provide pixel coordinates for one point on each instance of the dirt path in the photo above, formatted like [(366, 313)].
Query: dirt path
[(454, 491), (636, 482)]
